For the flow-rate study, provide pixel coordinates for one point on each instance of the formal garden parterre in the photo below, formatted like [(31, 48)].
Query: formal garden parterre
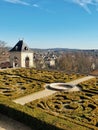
[(19, 82), (61, 110), (79, 107)]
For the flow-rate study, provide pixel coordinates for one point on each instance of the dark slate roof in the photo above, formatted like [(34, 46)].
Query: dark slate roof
[(20, 47)]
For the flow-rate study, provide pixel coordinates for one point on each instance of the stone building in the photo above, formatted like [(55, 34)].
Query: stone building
[(21, 55)]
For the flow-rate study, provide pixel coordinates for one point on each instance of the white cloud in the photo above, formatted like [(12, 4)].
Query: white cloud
[(36, 5), (85, 4), (17, 2), (23, 2)]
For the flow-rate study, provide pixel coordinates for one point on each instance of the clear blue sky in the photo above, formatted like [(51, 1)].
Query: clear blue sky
[(50, 23)]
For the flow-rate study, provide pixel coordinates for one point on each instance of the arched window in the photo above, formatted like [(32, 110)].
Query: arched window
[(27, 60), (15, 62)]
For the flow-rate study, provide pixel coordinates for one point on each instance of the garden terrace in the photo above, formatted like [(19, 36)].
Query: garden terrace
[(78, 107), (62, 110), (15, 83)]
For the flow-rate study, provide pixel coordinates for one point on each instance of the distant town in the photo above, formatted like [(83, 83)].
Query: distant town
[(69, 60)]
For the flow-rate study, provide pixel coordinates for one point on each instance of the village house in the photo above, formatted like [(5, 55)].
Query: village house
[(21, 55)]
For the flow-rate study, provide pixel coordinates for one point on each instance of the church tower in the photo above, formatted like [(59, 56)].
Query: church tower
[(21, 55)]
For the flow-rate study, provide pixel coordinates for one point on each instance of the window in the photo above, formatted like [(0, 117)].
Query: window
[(25, 48)]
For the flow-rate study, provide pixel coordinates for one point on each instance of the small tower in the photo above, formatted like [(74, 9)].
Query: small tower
[(21, 55)]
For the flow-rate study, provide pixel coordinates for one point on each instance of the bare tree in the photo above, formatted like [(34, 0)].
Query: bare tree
[(4, 55), (2, 47), (75, 62)]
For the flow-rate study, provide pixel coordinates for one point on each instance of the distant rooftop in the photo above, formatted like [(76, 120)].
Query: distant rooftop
[(20, 47)]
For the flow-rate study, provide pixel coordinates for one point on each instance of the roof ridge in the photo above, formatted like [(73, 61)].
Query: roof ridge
[(20, 46)]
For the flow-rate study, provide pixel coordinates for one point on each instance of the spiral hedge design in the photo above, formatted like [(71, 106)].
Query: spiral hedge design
[(79, 106), (19, 82)]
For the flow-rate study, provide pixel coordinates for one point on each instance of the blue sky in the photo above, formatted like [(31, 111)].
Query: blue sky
[(50, 23)]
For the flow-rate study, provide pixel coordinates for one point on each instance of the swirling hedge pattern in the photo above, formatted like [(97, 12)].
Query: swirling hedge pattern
[(79, 106), (23, 81)]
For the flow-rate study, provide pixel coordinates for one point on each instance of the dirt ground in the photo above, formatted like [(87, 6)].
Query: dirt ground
[(7, 123)]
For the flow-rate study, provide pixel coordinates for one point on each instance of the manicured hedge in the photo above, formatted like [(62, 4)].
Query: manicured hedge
[(66, 111), (15, 83), (38, 119), (78, 107), (25, 115)]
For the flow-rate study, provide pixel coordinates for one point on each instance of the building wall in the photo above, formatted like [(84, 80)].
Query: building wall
[(52, 62), (24, 55), (21, 57), (12, 56)]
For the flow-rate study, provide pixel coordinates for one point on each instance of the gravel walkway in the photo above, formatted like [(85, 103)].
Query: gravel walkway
[(77, 81), (46, 92), (7, 123), (34, 96)]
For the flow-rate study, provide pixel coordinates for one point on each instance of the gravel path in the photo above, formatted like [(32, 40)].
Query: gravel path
[(7, 123), (77, 81), (47, 92), (34, 96)]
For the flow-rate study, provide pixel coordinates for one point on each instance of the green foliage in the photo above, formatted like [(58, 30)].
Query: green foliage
[(62, 110), (36, 118), (20, 82), (81, 106)]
